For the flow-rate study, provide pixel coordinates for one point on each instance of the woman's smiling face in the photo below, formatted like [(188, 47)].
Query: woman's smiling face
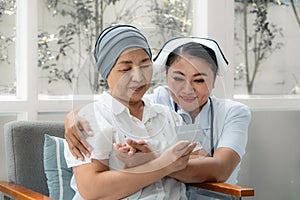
[(131, 76), (190, 80)]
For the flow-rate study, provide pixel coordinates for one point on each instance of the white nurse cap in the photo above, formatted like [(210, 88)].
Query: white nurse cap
[(160, 59)]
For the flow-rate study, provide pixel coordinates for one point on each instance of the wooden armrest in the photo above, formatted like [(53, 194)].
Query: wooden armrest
[(19, 192), (225, 188)]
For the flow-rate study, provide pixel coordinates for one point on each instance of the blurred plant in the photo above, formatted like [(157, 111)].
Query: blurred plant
[(295, 12), (74, 40), (8, 88), (293, 3), (48, 58), (296, 88), (7, 8), (172, 17), (5, 43), (77, 37), (87, 21), (260, 43)]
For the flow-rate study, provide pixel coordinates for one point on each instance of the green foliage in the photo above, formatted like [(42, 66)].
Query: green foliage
[(7, 8), (259, 44), (172, 18), (80, 25), (85, 24), (265, 34), (48, 58), (5, 43), (84, 21)]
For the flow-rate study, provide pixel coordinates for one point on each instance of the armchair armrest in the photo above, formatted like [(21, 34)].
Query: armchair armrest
[(225, 189), (19, 192)]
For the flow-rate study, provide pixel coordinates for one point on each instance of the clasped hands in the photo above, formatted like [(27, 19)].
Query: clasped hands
[(135, 153)]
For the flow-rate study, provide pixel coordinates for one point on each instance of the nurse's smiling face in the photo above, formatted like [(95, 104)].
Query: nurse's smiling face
[(190, 80)]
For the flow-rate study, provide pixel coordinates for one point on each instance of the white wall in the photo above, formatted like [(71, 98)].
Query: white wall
[(3, 168), (208, 23), (272, 161)]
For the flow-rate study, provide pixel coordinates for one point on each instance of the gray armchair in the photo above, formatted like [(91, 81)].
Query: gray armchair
[(24, 143)]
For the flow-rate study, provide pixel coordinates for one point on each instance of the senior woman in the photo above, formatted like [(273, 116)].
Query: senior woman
[(192, 65), (123, 58)]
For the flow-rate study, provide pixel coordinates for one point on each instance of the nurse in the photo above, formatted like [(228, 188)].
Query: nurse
[(123, 58), (192, 65)]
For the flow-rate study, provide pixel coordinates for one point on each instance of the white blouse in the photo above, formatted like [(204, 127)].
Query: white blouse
[(111, 123)]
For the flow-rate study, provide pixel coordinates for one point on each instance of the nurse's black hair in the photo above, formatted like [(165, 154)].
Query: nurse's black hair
[(194, 49)]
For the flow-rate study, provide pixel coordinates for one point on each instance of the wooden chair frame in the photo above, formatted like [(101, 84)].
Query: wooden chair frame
[(217, 190)]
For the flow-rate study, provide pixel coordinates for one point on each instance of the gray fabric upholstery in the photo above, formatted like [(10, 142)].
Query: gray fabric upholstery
[(24, 143)]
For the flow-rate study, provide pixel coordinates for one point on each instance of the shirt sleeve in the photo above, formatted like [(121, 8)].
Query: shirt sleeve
[(102, 140), (235, 130)]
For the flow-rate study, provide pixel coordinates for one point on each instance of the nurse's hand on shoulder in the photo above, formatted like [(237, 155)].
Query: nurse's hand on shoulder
[(74, 125)]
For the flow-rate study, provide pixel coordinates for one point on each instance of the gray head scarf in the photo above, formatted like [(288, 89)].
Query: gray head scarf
[(112, 42)]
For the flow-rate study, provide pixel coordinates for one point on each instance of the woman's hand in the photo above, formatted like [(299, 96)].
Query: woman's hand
[(133, 153), (172, 160), (74, 125), (177, 156)]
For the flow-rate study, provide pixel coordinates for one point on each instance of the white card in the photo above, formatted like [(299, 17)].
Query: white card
[(191, 132)]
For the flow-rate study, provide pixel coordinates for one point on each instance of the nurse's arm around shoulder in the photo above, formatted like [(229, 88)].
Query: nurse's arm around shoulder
[(228, 154), (217, 168)]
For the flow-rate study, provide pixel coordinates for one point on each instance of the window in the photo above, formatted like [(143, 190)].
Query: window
[(67, 31), (50, 58), (7, 47), (51, 65), (271, 48), (267, 65)]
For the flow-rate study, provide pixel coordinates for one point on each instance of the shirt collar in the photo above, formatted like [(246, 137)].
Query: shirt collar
[(203, 118), (113, 104), (117, 107)]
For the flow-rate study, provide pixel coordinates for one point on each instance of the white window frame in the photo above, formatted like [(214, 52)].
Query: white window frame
[(216, 20), (27, 103)]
